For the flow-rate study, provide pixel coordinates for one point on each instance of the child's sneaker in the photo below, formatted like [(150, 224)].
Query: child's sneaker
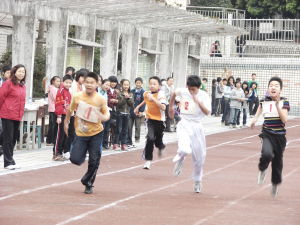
[(115, 146), (178, 167), (147, 165), (88, 189), (261, 177), (197, 187), (274, 190), (67, 155)]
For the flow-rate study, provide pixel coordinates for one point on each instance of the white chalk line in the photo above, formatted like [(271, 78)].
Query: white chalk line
[(237, 201), (28, 191), (115, 203)]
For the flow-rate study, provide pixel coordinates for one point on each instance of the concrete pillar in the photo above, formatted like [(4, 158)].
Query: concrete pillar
[(195, 63), (23, 46), (109, 54), (180, 62), (164, 63), (130, 53), (56, 47), (88, 33)]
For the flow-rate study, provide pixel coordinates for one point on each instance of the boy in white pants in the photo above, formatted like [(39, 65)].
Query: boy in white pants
[(194, 106)]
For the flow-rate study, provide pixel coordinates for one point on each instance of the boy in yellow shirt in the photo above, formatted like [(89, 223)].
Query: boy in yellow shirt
[(91, 110), (155, 115)]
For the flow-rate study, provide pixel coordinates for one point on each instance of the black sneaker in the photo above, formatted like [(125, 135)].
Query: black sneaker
[(88, 189), (160, 150)]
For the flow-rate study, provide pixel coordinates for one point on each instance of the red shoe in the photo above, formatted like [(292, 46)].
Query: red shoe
[(123, 147), (115, 146)]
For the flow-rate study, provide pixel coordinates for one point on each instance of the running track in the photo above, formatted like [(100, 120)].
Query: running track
[(126, 194)]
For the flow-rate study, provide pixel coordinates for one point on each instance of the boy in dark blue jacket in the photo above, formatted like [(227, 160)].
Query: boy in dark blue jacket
[(138, 93)]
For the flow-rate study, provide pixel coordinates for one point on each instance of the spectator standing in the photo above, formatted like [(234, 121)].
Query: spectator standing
[(112, 102), (237, 96), (125, 103), (213, 96), (12, 104), (52, 91), (168, 89), (218, 95), (5, 74), (62, 102), (136, 119)]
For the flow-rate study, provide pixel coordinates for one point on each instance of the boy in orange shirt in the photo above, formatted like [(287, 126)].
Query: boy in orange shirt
[(155, 115), (91, 110)]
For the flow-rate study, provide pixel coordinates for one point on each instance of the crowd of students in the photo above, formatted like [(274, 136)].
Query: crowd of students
[(232, 98)]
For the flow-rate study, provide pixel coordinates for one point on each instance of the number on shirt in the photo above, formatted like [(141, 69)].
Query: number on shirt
[(186, 105)]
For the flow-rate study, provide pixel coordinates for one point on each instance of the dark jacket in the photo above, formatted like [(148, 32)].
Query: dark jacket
[(138, 98)]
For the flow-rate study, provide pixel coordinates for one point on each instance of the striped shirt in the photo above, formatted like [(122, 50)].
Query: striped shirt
[(272, 122)]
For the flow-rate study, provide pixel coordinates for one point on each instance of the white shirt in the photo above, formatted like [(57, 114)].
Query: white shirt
[(188, 108)]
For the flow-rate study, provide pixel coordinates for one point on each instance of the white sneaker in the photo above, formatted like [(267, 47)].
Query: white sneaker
[(261, 177), (178, 167), (67, 155), (16, 166), (10, 167), (197, 187), (147, 165), (274, 190), (176, 158)]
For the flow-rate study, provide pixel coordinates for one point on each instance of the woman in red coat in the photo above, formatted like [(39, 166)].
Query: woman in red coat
[(12, 103)]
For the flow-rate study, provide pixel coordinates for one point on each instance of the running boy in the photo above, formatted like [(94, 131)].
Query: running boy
[(275, 111), (194, 106), (155, 115), (91, 111)]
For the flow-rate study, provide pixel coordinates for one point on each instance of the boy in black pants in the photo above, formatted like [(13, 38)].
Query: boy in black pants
[(155, 115)]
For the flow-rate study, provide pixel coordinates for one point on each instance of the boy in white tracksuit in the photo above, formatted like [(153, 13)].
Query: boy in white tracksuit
[(194, 106)]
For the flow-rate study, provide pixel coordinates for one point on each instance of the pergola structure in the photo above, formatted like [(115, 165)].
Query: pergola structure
[(150, 25)]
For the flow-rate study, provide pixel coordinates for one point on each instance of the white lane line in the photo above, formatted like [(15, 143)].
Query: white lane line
[(237, 201), (28, 191), (112, 204)]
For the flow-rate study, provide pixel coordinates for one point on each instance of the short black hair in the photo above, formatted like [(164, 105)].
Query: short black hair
[(80, 73), (53, 79), (105, 80), (214, 81), (224, 79), (204, 79), (92, 75), (138, 79), (113, 79), (238, 79), (253, 84), (155, 78), (278, 79), (70, 68), (67, 77), (170, 78), (193, 81), (219, 79), (253, 74), (6, 68)]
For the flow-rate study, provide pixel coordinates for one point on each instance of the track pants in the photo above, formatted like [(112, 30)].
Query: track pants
[(79, 148), (191, 140), (272, 151)]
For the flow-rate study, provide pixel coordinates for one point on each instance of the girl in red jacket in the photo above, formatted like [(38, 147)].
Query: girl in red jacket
[(12, 103), (62, 103)]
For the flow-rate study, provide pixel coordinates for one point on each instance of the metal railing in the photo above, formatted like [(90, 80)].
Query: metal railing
[(218, 12)]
